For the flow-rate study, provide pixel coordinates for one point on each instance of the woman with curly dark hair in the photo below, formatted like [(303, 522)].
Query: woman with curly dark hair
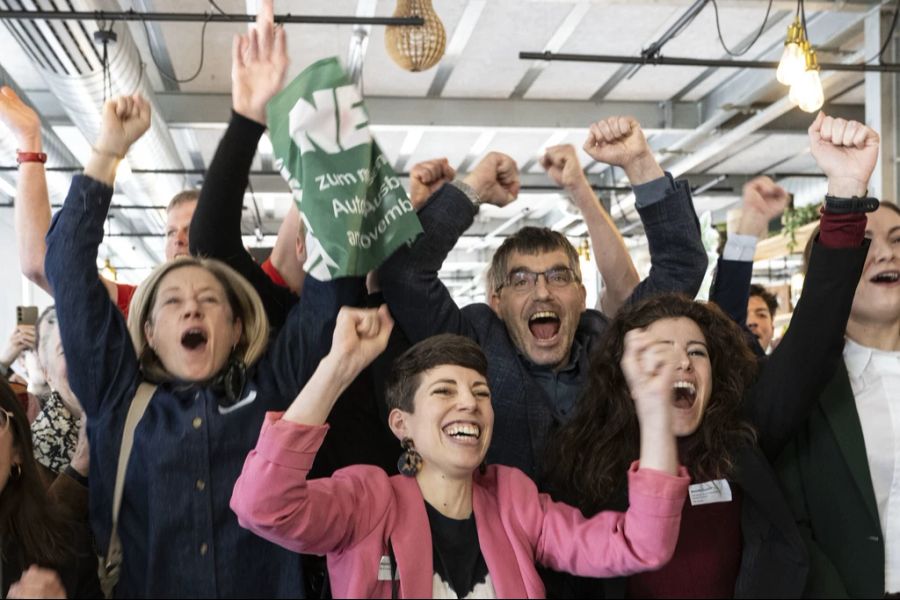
[(44, 554)]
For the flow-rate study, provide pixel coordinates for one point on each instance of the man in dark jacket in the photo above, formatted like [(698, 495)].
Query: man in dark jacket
[(537, 331)]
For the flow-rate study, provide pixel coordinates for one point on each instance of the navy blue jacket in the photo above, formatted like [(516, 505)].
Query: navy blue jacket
[(423, 307), (179, 537)]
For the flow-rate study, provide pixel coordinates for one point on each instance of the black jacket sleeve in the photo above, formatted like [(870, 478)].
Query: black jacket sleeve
[(216, 226)]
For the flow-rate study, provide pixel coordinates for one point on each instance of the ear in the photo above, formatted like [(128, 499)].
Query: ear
[(583, 297), (495, 303), (397, 423), (148, 332), (300, 249), (237, 328)]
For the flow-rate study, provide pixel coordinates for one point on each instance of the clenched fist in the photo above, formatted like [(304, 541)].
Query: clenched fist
[(125, 119), (846, 151), (764, 200), (562, 165), (620, 142), (425, 178), (495, 179)]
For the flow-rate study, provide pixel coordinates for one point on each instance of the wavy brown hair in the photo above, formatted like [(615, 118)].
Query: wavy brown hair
[(588, 458), (33, 530)]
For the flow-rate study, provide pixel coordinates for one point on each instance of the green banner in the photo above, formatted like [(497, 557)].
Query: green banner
[(356, 212)]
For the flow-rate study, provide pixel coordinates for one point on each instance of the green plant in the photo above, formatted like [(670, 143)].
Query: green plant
[(795, 218)]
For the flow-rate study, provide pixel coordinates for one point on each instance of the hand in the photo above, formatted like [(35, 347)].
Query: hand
[(764, 200), (37, 582), (620, 142), (125, 119), (563, 167), (846, 151), (81, 458), (495, 179), (649, 366), (425, 178), (21, 119), (259, 62), (22, 339), (360, 335)]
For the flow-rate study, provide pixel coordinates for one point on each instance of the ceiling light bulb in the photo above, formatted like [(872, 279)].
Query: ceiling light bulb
[(416, 47), (791, 65), (807, 92)]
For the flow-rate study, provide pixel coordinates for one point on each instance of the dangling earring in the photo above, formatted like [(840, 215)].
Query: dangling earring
[(18, 472), (410, 461)]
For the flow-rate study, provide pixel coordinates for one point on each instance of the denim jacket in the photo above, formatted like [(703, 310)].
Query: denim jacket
[(179, 537)]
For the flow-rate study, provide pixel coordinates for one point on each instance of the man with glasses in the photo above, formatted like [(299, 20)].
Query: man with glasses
[(537, 331)]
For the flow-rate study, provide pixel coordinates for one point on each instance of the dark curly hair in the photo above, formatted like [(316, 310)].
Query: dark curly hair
[(588, 458)]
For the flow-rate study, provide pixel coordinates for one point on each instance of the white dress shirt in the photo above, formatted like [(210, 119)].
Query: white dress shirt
[(875, 379)]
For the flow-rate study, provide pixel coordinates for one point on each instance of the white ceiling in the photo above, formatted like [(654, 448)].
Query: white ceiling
[(484, 39)]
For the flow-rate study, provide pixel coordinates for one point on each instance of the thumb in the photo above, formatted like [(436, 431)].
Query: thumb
[(816, 127)]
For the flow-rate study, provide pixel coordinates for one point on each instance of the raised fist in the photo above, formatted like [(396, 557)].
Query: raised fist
[(620, 142), (21, 120), (563, 167), (650, 367), (124, 120), (360, 335), (427, 177), (846, 151), (259, 62), (495, 179), (764, 200)]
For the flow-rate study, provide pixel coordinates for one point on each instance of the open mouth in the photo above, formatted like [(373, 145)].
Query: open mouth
[(888, 277), (193, 339), (544, 325), (465, 432), (685, 394)]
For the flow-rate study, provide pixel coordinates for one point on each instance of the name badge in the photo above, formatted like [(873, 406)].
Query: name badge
[(710, 492), (384, 569)]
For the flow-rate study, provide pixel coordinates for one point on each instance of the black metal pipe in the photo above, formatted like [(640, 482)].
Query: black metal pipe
[(205, 17), (696, 62)]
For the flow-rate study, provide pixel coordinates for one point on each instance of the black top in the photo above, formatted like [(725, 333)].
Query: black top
[(456, 553)]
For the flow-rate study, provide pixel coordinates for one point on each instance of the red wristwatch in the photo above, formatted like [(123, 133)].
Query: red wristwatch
[(22, 157)]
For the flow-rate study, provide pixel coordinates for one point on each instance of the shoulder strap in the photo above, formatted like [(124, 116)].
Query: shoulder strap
[(135, 413)]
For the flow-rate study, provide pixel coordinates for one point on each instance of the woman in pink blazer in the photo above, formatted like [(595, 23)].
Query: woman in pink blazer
[(448, 526)]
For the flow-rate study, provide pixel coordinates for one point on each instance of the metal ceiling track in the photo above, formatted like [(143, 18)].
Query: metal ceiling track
[(673, 61), (204, 17)]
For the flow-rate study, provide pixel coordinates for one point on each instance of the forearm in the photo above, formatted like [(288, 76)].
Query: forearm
[(610, 254), (284, 252), (315, 401), (32, 214), (658, 447), (216, 225)]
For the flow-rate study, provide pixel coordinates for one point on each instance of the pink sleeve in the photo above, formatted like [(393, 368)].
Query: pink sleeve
[(273, 499), (613, 543)]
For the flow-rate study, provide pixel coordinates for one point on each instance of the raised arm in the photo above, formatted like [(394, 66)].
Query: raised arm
[(643, 537), (763, 200), (259, 62), (799, 369), (677, 257), (272, 497), (98, 349), (610, 254), (409, 279)]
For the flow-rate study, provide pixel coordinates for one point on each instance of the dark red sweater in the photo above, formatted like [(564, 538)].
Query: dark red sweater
[(707, 557)]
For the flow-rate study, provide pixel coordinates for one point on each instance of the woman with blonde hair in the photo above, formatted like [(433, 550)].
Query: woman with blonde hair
[(198, 333)]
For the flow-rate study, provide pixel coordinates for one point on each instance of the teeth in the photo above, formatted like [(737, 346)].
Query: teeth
[(544, 314), (887, 276), (685, 385), (463, 429)]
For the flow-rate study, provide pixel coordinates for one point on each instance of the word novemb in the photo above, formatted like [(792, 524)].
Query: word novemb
[(365, 240)]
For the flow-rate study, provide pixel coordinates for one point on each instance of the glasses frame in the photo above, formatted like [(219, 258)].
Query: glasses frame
[(535, 275)]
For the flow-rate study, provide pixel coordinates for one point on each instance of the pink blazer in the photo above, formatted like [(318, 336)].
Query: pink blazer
[(350, 516)]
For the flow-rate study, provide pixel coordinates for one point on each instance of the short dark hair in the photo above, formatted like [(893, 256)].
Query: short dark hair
[(768, 297), (529, 240), (183, 197), (444, 349)]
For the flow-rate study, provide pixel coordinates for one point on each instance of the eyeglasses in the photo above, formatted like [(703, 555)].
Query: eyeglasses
[(5, 417), (523, 280)]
